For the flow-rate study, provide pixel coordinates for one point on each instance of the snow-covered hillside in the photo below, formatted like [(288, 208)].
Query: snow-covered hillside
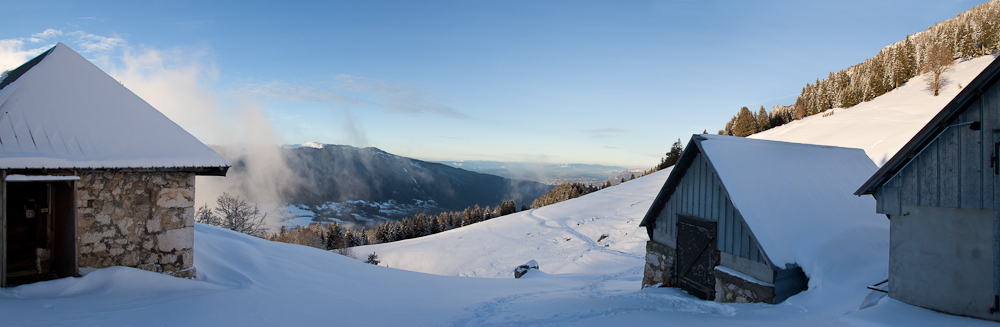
[(881, 126), (463, 277), (564, 238), (245, 281)]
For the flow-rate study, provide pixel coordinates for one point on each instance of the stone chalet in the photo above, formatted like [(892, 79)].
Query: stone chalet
[(92, 175)]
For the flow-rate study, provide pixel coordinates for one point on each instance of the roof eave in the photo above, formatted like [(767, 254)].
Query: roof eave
[(935, 126), (693, 148)]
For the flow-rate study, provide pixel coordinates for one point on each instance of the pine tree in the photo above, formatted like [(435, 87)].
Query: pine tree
[(672, 156), (373, 259), (745, 124), (334, 238), (763, 120)]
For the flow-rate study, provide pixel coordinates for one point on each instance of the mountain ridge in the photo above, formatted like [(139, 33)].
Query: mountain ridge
[(363, 185)]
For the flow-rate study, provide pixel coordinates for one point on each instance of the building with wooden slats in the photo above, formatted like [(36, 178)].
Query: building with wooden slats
[(940, 194), (739, 220)]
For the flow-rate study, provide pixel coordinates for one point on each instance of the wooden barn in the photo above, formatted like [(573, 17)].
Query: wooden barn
[(91, 175), (940, 194), (739, 220)]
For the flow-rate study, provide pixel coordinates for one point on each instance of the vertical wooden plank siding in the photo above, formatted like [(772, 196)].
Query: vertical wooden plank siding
[(949, 156), (971, 162), (989, 108), (881, 198), (701, 193), (744, 240), (728, 236), (927, 176), (908, 183), (699, 189), (954, 169), (713, 203)]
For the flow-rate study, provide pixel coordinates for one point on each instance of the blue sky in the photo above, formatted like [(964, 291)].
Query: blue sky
[(606, 82)]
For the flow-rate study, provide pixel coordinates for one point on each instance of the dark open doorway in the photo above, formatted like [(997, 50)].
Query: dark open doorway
[(40, 231)]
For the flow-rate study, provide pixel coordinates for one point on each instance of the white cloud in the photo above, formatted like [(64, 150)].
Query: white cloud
[(96, 43), (301, 93), (356, 91), (13, 53), (45, 35), (395, 97), (16, 51)]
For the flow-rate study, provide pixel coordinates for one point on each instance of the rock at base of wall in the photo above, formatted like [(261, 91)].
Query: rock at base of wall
[(190, 273), (734, 289), (659, 268)]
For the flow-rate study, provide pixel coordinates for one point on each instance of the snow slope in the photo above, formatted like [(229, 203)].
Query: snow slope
[(245, 281), (583, 280), (562, 237), (883, 125)]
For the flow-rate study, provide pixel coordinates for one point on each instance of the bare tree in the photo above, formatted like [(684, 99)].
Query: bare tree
[(234, 213), (936, 63)]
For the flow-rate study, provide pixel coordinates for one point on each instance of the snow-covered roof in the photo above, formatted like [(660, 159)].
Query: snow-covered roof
[(60, 111), (794, 197)]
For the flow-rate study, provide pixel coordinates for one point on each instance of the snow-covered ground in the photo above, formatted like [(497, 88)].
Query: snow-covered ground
[(883, 125), (463, 277), (245, 281)]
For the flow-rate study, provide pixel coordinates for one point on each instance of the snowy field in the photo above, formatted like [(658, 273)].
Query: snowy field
[(463, 277), (248, 281)]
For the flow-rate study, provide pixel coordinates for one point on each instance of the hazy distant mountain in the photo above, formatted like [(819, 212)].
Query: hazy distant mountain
[(352, 183), (552, 174)]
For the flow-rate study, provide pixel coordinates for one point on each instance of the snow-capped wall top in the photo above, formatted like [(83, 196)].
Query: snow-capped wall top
[(795, 198), (60, 111)]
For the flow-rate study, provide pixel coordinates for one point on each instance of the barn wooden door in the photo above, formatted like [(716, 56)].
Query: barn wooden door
[(697, 256)]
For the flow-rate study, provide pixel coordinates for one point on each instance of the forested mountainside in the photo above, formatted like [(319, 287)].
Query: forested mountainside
[(552, 174), (973, 33), (379, 184)]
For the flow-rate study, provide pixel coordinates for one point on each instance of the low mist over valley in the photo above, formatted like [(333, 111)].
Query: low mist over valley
[(325, 182), (552, 174)]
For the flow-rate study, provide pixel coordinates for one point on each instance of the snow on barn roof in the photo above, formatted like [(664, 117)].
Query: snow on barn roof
[(795, 198), (59, 110)]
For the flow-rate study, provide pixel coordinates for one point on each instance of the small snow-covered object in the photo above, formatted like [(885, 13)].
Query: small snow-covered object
[(523, 269)]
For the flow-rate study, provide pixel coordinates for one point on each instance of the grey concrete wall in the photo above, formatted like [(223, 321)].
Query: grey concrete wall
[(942, 259), (759, 270)]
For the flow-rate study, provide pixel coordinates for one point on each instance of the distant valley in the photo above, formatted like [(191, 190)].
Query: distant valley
[(367, 185), (551, 174)]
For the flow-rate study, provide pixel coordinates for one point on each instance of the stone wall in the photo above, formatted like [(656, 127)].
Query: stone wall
[(660, 262), (136, 219), (734, 289)]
